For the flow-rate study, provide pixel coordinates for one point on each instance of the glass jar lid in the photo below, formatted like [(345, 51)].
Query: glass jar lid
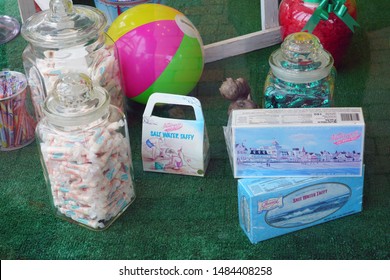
[(301, 59), (74, 101), (64, 25), (10, 28)]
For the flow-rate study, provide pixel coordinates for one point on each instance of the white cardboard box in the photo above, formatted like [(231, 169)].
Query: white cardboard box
[(170, 145), (295, 142)]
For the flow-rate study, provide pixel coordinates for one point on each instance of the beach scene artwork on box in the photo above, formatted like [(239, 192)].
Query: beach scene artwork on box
[(270, 207), (306, 151), (308, 205)]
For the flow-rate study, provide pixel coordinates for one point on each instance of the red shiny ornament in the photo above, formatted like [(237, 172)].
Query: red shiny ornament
[(334, 34)]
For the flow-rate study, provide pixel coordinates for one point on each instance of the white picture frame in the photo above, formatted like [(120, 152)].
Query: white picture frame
[(269, 35)]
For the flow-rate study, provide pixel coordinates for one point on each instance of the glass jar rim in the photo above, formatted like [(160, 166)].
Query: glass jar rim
[(82, 119), (300, 76), (22, 78), (75, 101)]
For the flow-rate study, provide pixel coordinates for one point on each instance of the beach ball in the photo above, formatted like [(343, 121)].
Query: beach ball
[(159, 50)]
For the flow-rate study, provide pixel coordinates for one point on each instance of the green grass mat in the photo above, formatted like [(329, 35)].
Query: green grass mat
[(181, 217)]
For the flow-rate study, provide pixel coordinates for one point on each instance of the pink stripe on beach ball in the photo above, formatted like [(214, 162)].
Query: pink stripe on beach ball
[(145, 52)]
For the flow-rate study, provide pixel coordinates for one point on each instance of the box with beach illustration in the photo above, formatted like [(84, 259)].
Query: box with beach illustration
[(295, 142), (175, 143), (270, 207)]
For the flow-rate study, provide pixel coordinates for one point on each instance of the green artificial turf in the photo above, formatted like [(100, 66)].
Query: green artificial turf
[(183, 217)]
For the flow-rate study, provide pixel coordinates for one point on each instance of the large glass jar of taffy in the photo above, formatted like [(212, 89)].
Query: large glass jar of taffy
[(85, 153), (69, 38), (301, 75)]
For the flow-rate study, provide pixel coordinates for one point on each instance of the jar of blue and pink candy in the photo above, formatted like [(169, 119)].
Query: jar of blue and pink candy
[(69, 38), (85, 153), (301, 75)]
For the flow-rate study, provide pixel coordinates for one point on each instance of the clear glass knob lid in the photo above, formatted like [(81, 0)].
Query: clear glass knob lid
[(74, 101), (300, 59), (64, 25), (9, 28)]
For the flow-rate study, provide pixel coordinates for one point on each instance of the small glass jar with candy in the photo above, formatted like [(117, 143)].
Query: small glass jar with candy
[(85, 152), (301, 75)]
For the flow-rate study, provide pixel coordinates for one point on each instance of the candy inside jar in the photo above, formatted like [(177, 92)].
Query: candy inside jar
[(85, 152), (301, 75)]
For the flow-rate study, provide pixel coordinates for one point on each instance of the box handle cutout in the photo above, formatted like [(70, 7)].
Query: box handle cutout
[(189, 108)]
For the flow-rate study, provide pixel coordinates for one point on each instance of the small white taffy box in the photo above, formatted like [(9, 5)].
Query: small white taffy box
[(171, 145), (296, 142)]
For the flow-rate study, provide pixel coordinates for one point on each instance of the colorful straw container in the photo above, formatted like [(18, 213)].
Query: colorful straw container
[(17, 124)]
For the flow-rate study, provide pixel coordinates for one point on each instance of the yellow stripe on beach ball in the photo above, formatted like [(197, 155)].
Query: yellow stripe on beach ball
[(140, 15)]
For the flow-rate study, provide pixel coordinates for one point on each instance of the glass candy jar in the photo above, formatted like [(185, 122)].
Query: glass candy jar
[(69, 39), (85, 153), (301, 75)]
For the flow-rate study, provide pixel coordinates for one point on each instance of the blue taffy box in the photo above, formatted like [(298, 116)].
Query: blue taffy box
[(269, 207), (298, 142)]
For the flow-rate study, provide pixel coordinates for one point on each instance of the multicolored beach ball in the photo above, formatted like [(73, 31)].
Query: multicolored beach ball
[(159, 49)]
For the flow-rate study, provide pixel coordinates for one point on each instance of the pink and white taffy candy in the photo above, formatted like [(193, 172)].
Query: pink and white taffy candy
[(89, 173)]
